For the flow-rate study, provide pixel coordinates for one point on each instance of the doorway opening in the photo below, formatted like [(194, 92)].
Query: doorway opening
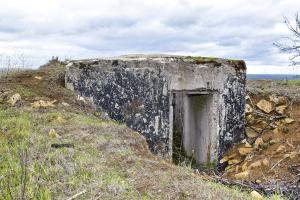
[(192, 128)]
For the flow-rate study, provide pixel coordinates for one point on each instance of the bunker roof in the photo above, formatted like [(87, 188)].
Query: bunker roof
[(165, 58)]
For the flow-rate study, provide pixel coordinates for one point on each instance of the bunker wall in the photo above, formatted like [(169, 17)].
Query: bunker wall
[(140, 93)]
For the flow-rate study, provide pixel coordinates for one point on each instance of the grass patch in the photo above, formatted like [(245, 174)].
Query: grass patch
[(30, 168), (14, 144), (264, 90), (24, 91), (291, 82), (74, 118), (202, 60), (117, 185), (235, 191)]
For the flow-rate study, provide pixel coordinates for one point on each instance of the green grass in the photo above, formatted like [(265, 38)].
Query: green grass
[(20, 141), (200, 59), (292, 82), (97, 164), (264, 90), (14, 143), (74, 118), (30, 168), (24, 91), (107, 160)]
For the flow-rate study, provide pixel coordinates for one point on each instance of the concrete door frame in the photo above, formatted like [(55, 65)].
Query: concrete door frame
[(187, 94)]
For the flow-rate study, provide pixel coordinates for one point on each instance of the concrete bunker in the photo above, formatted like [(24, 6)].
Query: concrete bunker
[(192, 103)]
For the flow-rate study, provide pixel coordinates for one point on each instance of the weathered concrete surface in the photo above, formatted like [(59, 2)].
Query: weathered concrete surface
[(151, 93)]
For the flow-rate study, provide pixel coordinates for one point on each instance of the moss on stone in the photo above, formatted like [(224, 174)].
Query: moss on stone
[(202, 60)]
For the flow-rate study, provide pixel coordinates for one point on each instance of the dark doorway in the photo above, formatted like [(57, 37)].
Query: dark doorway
[(191, 127)]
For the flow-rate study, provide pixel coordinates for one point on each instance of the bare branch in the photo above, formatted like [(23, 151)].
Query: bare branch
[(291, 44)]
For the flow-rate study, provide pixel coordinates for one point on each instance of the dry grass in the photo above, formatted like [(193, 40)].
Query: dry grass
[(106, 160)]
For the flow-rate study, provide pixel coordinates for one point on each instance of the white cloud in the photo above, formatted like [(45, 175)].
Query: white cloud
[(271, 69), (93, 28)]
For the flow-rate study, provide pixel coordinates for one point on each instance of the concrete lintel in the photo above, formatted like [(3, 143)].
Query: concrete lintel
[(191, 92)]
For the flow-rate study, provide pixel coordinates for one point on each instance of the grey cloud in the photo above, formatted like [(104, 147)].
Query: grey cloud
[(228, 29)]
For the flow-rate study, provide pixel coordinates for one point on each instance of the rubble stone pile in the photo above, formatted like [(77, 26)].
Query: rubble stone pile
[(270, 154)]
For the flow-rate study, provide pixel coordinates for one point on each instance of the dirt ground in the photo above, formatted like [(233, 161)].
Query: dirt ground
[(270, 154), (47, 83), (115, 162), (289, 88), (103, 159)]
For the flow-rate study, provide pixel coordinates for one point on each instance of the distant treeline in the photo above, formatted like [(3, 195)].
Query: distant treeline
[(16, 61), (273, 76), (10, 70)]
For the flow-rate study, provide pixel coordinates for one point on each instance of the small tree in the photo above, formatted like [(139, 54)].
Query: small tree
[(291, 44)]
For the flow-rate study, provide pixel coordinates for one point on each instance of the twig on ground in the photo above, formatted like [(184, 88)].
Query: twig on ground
[(243, 184), (269, 118), (23, 163), (276, 164), (290, 144), (77, 195), (252, 128)]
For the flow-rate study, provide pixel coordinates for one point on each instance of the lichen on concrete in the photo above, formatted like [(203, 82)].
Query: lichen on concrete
[(148, 92)]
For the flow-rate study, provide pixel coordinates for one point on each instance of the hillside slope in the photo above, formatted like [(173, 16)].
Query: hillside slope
[(269, 158), (54, 146)]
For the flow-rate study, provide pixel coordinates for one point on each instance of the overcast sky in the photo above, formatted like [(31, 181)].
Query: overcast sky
[(240, 29)]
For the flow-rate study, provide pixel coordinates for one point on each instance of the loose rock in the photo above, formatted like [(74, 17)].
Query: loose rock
[(43, 104), (251, 133), (276, 131), (248, 109), (231, 156), (258, 181), (265, 162), (53, 134), (245, 150), (234, 161), (60, 120), (291, 155), (255, 164), (245, 166), (258, 143), (274, 141), (265, 106), (277, 100), (256, 195), (224, 159), (288, 120), (249, 118), (65, 104), (14, 99), (242, 175), (248, 145), (280, 149), (280, 109), (38, 77)]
